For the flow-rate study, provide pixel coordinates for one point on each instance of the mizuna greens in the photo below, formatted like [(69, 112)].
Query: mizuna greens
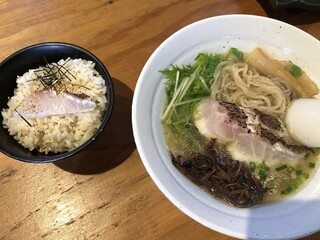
[(188, 85)]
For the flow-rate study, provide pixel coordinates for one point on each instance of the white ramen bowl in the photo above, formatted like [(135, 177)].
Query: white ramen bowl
[(295, 217)]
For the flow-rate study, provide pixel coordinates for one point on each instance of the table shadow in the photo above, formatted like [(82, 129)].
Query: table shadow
[(113, 145), (293, 16)]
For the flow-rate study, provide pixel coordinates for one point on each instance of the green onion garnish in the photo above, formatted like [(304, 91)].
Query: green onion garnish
[(295, 70), (311, 165), (290, 169), (252, 166), (287, 190), (306, 156), (281, 167)]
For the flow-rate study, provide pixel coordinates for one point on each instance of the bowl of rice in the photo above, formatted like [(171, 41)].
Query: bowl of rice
[(55, 99)]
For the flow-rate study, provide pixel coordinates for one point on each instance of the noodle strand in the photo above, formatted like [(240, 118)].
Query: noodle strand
[(240, 83)]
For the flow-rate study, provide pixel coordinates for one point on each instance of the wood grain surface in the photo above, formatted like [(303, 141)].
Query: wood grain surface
[(104, 192)]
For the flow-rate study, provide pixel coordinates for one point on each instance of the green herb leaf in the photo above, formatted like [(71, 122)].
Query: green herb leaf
[(208, 63), (239, 55), (188, 85)]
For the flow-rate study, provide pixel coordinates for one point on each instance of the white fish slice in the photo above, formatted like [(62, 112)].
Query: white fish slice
[(212, 121), (48, 103)]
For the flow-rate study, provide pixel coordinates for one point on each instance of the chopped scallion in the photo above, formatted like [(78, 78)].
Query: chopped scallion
[(252, 166), (287, 190), (290, 169), (282, 167), (306, 156), (311, 165), (295, 70)]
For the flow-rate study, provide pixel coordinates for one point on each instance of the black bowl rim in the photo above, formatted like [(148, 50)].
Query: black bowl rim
[(105, 119)]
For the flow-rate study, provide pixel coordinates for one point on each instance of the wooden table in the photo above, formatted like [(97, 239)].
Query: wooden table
[(105, 192)]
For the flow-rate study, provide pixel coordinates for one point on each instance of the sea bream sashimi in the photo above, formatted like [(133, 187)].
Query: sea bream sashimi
[(47, 103), (249, 135)]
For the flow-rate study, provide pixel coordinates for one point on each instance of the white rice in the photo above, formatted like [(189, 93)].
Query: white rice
[(61, 132)]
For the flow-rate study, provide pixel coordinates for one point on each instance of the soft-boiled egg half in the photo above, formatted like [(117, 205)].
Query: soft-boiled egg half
[(303, 121)]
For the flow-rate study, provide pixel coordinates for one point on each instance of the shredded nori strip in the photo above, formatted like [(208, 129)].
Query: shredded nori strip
[(22, 117), (51, 74)]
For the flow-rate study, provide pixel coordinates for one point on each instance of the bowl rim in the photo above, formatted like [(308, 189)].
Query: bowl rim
[(106, 117)]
